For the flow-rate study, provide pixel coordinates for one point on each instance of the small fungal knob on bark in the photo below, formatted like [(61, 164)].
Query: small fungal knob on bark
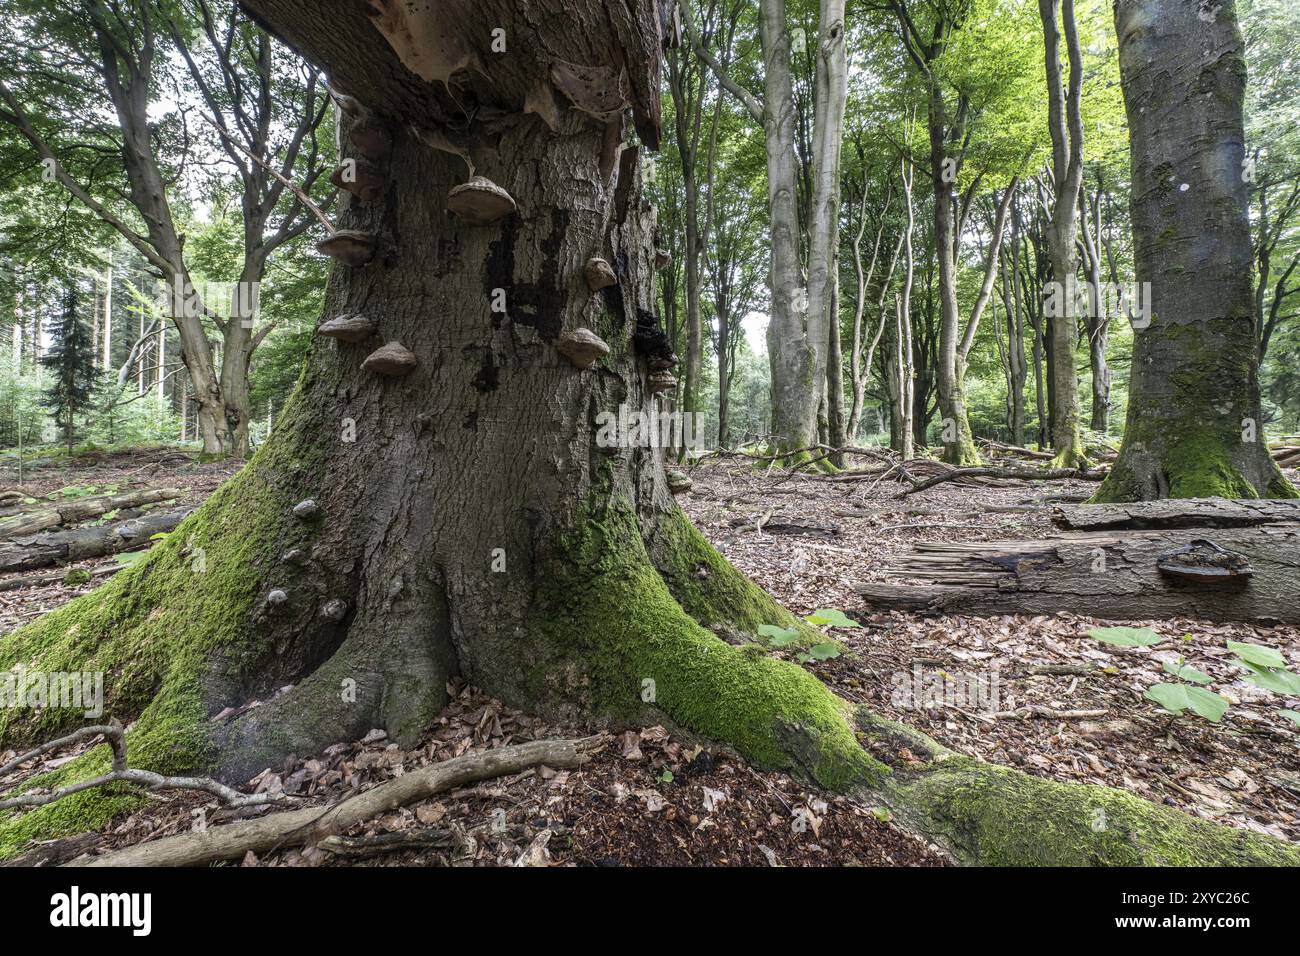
[(480, 202), (296, 556), (662, 258), (350, 247), (348, 328), (277, 597), (371, 137), (678, 482), (364, 180), (583, 347), (334, 610), (600, 274), (661, 382), (306, 510), (393, 360)]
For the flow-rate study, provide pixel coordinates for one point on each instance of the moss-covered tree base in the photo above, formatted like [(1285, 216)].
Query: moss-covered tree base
[(626, 628)]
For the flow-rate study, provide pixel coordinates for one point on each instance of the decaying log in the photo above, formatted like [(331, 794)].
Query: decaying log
[(61, 547), (1013, 474), (52, 577), (1177, 513), (81, 509), (312, 824), (1103, 575)]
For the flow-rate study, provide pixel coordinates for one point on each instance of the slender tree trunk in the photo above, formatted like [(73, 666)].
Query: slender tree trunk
[(793, 351), (1066, 124), (1098, 321), (1194, 427), (823, 222)]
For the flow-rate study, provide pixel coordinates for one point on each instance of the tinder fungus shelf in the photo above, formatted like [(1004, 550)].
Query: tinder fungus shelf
[(661, 382), (392, 361), (583, 347), (479, 202), (364, 180), (600, 274), (348, 328), (349, 247)]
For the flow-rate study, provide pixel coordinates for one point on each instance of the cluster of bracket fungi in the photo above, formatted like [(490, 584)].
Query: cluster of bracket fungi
[(477, 202)]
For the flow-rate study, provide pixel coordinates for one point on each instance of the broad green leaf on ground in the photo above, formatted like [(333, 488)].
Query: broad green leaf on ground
[(1277, 679), (1126, 636), (1177, 698), (778, 636), (1291, 715), (1187, 672), (824, 652), (1257, 654), (824, 616)]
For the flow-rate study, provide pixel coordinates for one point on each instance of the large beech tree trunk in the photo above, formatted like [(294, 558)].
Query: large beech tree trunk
[(1193, 426), (464, 519)]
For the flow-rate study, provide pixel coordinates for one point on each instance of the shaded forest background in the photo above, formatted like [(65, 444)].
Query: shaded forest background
[(90, 357)]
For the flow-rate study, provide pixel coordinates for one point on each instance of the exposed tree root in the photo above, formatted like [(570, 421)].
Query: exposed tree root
[(311, 824), (988, 815), (121, 773)]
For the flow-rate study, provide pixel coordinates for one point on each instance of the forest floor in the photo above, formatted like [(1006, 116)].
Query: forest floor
[(646, 798)]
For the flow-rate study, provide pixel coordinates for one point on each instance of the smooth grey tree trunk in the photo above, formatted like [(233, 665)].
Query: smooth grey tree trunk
[(1194, 427)]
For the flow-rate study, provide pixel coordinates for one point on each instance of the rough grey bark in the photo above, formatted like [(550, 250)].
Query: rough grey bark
[(1194, 427), (1065, 121), (1098, 321), (831, 84)]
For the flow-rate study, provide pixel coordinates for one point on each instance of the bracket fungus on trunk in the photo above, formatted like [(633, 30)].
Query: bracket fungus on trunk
[(371, 138), (479, 202), (661, 363), (662, 259), (678, 482), (600, 274), (393, 360), (348, 328), (349, 246), (661, 382), (583, 347), (365, 180)]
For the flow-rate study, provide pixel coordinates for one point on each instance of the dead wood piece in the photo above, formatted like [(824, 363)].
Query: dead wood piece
[(82, 509), (1177, 513), (311, 824), (115, 736), (52, 577), (1100, 575), (1051, 713), (78, 544), (367, 846), (1012, 474)]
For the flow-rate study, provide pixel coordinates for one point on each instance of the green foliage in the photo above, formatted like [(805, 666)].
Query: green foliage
[(70, 363), (122, 416), (1184, 671), (829, 617), (1177, 698), (1257, 654), (1126, 636)]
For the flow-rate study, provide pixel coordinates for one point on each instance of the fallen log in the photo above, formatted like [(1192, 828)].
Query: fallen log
[(1178, 513), (52, 577), (61, 547), (71, 512), (1014, 474), (311, 824), (1234, 574)]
